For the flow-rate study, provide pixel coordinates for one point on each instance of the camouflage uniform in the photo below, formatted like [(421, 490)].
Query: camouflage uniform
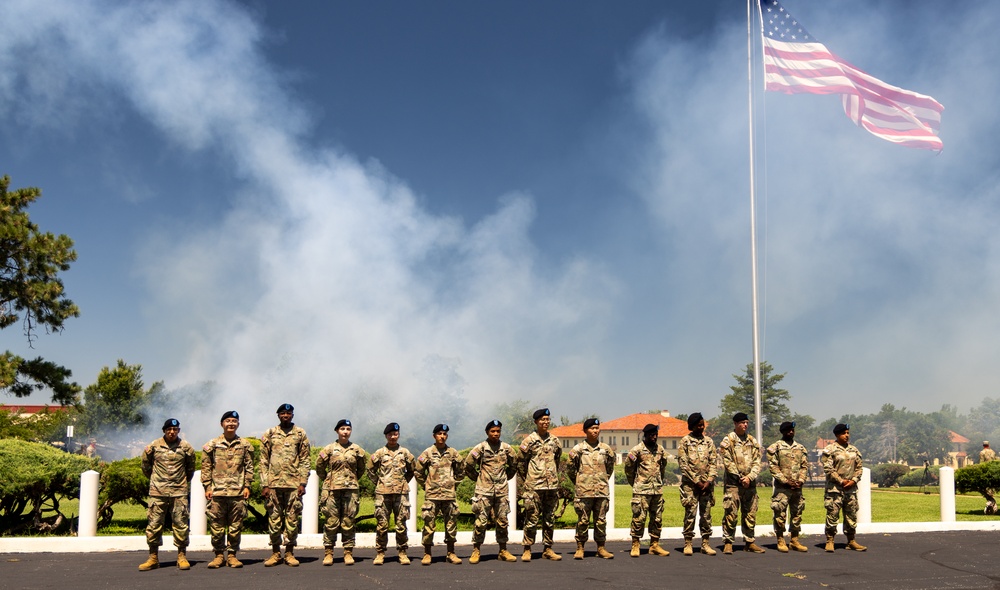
[(645, 468), (841, 463), (439, 472), (789, 463), (540, 468), (698, 463), (284, 466), (985, 456), (589, 469), (169, 469), (340, 468), (391, 469), (740, 458), (226, 469), (490, 467)]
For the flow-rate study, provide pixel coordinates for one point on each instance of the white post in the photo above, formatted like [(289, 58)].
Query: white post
[(946, 483), (199, 506), (411, 521), (310, 505), (90, 485), (512, 501), (611, 502), (865, 497)]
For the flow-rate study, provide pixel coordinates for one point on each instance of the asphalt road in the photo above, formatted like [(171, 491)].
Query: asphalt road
[(907, 561)]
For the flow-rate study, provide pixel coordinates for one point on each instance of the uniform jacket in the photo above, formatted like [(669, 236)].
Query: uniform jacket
[(645, 469), (698, 459), (391, 469), (227, 466), (284, 458), (840, 464), (490, 468), (341, 467), (789, 462), (439, 472), (740, 458), (168, 467), (540, 461), (589, 468)]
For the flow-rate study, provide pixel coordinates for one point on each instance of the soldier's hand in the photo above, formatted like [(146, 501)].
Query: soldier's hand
[(848, 483), (245, 493), (208, 494), (302, 490), (265, 491)]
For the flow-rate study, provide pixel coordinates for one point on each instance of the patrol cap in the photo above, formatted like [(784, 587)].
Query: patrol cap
[(540, 413), (694, 419), (786, 427), (650, 429), (230, 414), (740, 416), (986, 443), (171, 423), (841, 428), (493, 424), (285, 408), (590, 422), (440, 428), (342, 422), (390, 427)]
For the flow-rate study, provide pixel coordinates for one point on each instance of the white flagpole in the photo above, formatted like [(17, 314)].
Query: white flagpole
[(753, 230)]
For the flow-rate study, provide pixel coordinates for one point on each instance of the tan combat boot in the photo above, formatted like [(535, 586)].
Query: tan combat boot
[(829, 544), (403, 558), (551, 555), (604, 553), (427, 556), (348, 555), (727, 548), (328, 556), (474, 558), (182, 560), (752, 547), (505, 555), (231, 561), (526, 554), (854, 545), (290, 556), (782, 548), (379, 558), (687, 547), (655, 548), (706, 547), (220, 558), (451, 557), (795, 545), (275, 558), (579, 551), (634, 552), (152, 562)]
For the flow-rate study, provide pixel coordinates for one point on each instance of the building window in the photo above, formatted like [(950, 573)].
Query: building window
[(674, 444)]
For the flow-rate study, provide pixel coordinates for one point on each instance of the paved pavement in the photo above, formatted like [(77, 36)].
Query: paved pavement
[(911, 561)]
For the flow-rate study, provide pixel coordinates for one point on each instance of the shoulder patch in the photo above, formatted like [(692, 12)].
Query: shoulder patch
[(632, 456)]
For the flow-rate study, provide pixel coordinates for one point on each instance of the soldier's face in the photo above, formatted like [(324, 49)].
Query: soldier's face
[(285, 418), (440, 438), (344, 433), (593, 433), (651, 437), (171, 434), (699, 428), (740, 428), (543, 424), (493, 434), (392, 439), (230, 424), (844, 437)]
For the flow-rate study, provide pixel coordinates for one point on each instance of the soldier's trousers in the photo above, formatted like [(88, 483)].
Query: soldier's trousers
[(539, 505), (694, 501), (787, 500), (448, 509), (225, 522), (398, 507), (157, 510), (591, 508), (739, 504), (340, 507), (284, 509), (991, 501), (834, 501), (643, 505), (490, 511)]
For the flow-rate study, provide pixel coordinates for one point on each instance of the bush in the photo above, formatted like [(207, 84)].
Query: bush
[(979, 478), (917, 478), (33, 477), (887, 475), (121, 481)]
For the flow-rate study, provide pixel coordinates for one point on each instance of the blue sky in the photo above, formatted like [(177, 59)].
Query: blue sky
[(361, 207)]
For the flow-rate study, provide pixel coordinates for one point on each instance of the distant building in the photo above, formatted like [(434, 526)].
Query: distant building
[(621, 434), (956, 456), (26, 411)]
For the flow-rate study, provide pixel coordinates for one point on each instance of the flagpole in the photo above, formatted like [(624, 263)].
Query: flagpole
[(758, 421)]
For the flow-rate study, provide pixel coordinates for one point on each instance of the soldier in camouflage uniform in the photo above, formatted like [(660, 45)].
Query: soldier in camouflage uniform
[(340, 465), (699, 465), (227, 473), (591, 463), (168, 462), (843, 466), (491, 464), (539, 466), (789, 462), (741, 463), (985, 456), (645, 467), (439, 469), (391, 467), (284, 472)]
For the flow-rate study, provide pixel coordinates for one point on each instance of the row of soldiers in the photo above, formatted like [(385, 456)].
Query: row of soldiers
[(227, 471)]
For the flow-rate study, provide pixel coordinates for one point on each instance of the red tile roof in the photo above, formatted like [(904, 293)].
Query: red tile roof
[(669, 427), (956, 437), (24, 409)]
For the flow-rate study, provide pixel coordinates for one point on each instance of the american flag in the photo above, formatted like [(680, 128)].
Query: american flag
[(795, 63)]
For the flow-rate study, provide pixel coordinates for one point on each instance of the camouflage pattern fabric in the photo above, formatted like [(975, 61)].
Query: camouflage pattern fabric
[(645, 468), (284, 509), (396, 506), (591, 508), (739, 505), (225, 522), (156, 511), (448, 509), (789, 501), (439, 472), (698, 459), (340, 467), (590, 468), (284, 458), (695, 502), (227, 466), (987, 455), (841, 463), (834, 502), (391, 469), (789, 463), (540, 462), (169, 468), (539, 506), (490, 467), (340, 507), (740, 458), (644, 505), (490, 511)]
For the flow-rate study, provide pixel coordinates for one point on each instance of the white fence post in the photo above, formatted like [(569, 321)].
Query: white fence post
[(198, 507), (310, 506), (411, 521), (512, 500), (946, 484), (865, 497), (611, 502), (90, 485)]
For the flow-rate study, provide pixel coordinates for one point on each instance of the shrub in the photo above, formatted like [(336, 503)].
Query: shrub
[(917, 477), (887, 475), (121, 481), (983, 478), (33, 477)]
